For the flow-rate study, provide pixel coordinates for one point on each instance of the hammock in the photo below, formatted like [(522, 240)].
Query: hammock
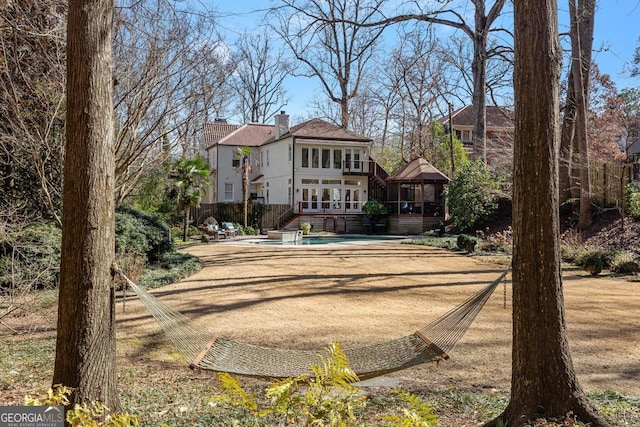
[(431, 343)]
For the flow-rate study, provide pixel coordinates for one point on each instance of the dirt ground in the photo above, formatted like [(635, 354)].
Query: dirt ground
[(308, 296)]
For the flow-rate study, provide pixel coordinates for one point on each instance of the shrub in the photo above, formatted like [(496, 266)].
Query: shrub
[(470, 197), (594, 260), (501, 241), (172, 267), (140, 233), (467, 243), (633, 200), (625, 262), (374, 209)]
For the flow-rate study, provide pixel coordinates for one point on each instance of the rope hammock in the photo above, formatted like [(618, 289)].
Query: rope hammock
[(431, 343)]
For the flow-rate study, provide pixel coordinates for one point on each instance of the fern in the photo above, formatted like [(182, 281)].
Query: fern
[(234, 394), (94, 414), (413, 413)]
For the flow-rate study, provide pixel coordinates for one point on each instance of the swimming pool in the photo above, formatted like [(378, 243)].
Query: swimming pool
[(323, 240)]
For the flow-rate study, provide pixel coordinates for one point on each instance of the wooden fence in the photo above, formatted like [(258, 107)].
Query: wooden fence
[(608, 182), (264, 216)]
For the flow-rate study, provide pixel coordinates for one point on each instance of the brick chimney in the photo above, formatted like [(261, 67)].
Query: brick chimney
[(282, 124)]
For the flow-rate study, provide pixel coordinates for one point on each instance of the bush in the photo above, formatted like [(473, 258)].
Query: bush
[(501, 241), (625, 262), (171, 268), (31, 257), (142, 234), (467, 243), (470, 198), (633, 200), (594, 260)]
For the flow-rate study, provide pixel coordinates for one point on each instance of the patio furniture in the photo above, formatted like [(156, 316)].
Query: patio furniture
[(211, 229), (229, 229)]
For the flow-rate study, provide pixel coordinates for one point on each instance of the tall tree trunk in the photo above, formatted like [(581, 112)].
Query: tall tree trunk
[(185, 224), (543, 382), (566, 143), (86, 345), (245, 189), (582, 26), (479, 71)]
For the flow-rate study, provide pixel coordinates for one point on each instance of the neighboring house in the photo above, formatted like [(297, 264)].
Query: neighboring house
[(499, 128), (321, 170)]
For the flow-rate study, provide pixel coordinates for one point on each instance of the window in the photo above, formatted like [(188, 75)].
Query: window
[(228, 191), (315, 158), (290, 152), (326, 198), (305, 157), (267, 157), (326, 158), (236, 162), (337, 159)]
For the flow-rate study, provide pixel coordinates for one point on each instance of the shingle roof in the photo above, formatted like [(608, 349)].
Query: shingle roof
[(318, 128), (418, 170), (497, 117), (255, 135), (214, 132), (249, 135)]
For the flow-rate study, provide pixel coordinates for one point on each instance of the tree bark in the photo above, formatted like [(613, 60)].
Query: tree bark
[(543, 383), (582, 25), (479, 71), (86, 345)]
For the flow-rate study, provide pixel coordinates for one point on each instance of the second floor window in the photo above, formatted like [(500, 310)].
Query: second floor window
[(236, 162)]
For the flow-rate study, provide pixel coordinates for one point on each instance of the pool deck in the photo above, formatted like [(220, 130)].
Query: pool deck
[(331, 240)]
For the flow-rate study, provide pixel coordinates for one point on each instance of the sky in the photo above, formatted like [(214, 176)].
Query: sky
[(617, 33)]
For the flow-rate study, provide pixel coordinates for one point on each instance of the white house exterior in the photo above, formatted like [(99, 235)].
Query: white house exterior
[(316, 167)]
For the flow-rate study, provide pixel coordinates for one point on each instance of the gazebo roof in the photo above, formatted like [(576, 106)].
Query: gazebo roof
[(418, 170)]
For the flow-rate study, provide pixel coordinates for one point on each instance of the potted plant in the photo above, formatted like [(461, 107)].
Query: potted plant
[(373, 210), (305, 227)]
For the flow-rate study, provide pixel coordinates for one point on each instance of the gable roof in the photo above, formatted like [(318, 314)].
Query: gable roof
[(215, 131), (319, 129), (248, 135), (418, 170), (255, 134), (634, 148), (497, 117)]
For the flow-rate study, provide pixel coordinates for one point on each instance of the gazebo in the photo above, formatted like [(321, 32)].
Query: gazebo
[(414, 197)]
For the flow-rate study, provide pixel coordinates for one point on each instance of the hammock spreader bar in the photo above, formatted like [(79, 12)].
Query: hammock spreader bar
[(431, 343)]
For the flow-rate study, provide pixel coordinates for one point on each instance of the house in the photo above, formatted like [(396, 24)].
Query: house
[(414, 197), (499, 128), (321, 170)]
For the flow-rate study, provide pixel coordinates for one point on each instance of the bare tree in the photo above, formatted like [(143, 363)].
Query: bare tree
[(171, 75), (326, 36), (479, 32), (420, 75), (32, 67), (86, 341), (258, 78), (543, 382)]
